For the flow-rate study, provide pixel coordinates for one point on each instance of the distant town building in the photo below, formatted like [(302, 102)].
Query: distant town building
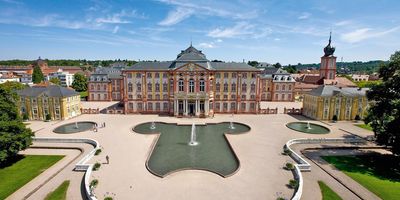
[(65, 78), (59, 102), (26, 78), (276, 85), (360, 77), (325, 101), (121, 65)]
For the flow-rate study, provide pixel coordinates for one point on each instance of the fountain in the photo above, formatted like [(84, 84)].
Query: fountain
[(231, 126), (76, 125), (193, 141), (308, 125), (153, 126)]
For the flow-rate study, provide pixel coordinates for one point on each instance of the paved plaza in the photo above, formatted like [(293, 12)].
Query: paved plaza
[(260, 176)]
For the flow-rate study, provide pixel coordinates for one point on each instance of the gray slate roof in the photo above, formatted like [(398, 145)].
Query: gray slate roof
[(331, 90), (51, 91)]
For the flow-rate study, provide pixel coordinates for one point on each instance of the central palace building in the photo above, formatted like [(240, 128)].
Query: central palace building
[(191, 85)]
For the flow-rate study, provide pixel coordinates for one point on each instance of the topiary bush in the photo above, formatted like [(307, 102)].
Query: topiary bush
[(94, 183), (96, 166), (108, 198), (48, 117), (25, 117), (357, 118), (293, 184), (334, 118), (286, 152), (289, 166), (98, 151)]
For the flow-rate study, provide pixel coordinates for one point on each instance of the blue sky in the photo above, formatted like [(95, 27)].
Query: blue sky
[(285, 31)]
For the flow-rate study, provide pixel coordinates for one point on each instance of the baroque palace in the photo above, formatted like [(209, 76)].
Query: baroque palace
[(191, 85)]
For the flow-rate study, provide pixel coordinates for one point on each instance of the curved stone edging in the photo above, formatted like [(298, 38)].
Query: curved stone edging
[(303, 165), (81, 165)]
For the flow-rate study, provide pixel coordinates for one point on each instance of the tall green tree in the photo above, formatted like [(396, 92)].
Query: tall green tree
[(384, 112), (14, 136), (277, 65), (55, 81), (80, 82), (37, 75)]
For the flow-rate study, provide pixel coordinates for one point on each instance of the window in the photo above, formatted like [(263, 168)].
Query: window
[(202, 85), (105, 96), (225, 87), (289, 97), (105, 87), (129, 75), (233, 106), (253, 75), (91, 87), (225, 97), (130, 87), (165, 106), (149, 96), (244, 87), (164, 75), (149, 87), (290, 87), (165, 87), (233, 87), (157, 75), (139, 87), (157, 87), (158, 107), (217, 87), (138, 75), (244, 75), (150, 106), (244, 97), (217, 75), (276, 97), (98, 87), (283, 87), (243, 106), (148, 75), (225, 75), (283, 96), (139, 106), (233, 75), (252, 97), (252, 106), (277, 87), (225, 106), (165, 96), (217, 106), (233, 97), (253, 87), (191, 85), (157, 96), (139, 96), (217, 96), (130, 106), (180, 85)]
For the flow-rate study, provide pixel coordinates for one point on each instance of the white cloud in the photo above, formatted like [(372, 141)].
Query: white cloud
[(304, 15), (116, 29), (176, 16), (219, 40), (364, 34), (117, 18), (240, 29), (343, 23), (207, 45)]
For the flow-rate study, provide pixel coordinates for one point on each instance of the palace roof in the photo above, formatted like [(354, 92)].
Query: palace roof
[(50, 90), (330, 90), (192, 55)]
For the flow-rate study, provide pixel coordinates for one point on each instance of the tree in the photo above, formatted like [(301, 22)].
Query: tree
[(253, 63), (55, 81), (14, 136), (384, 111), (80, 82), (277, 65), (37, 75)]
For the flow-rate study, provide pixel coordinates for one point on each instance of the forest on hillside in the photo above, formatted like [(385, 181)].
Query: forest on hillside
[(64, 62), (348, 67)]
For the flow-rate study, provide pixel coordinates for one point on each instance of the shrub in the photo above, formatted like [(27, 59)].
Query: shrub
[(98, 151), (25, 117), (280, 198), (94, 183), (293, 184), (286, 152), (289, 166), (334, 118), (96, 166), (48, 117), (357, 118), (108, 198)]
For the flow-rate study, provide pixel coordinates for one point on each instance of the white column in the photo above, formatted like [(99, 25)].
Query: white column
[(185, 107), (175, 107), (206, 107), (197, 107)]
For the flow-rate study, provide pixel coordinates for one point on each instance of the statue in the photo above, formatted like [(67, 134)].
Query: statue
[(328, 50)]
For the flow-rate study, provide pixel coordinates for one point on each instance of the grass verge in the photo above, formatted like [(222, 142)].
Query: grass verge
[(327, 192), (60, 193)]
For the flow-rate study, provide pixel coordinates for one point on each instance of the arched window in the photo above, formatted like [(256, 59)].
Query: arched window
[(149, 87), (180, 85), (233, 87), (130, 89), (98, 87), (217, 87), (191, 85), (157, 86), (244, 87), (139, 87), (225, 87), (202, 85)]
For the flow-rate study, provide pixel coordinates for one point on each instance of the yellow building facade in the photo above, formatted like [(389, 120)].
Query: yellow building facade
[(59, 102), (326, 101)]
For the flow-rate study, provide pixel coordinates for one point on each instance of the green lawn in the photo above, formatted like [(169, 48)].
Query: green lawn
[(22, 170), (327, 193), (378, 173), (60, 193), (83, 94), (364, 126)]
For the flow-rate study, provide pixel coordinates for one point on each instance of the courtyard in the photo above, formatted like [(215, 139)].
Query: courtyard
[(260, 174)]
